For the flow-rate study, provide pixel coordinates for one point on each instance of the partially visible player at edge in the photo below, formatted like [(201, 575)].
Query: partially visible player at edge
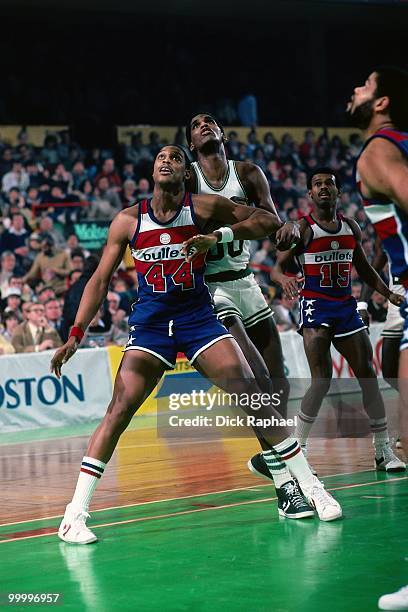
[(330, 244), (380, 109), (239, 302), (173, 313)]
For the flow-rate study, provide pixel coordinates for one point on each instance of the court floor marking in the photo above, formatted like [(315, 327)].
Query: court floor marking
[(184, 512), (127, 446), (159, 501)]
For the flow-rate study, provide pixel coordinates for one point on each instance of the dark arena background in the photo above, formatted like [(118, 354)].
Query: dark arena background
[(90, 92)]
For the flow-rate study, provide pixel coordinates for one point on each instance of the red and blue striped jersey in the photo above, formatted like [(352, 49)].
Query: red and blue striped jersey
[(326, 261), (169, 287), (389, 220)]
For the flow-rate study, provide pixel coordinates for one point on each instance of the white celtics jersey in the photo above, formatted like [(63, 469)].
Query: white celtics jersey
[(232, 255)]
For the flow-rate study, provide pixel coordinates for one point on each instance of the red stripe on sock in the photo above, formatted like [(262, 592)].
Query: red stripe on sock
[(295, 452), (90, 473)]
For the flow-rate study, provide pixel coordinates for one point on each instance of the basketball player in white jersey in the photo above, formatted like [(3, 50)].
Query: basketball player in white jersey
[(239, 302)]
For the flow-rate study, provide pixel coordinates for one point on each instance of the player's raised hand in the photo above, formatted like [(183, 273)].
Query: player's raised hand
[(287, 236), (62, 355), (290, 286), (396, 299), (198, 244)]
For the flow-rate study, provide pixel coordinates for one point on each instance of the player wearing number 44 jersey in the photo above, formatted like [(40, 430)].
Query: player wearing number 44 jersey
[(330, 245), (174, 313)]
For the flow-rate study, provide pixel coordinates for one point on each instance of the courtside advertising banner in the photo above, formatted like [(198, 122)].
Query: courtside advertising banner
[(32, 397)]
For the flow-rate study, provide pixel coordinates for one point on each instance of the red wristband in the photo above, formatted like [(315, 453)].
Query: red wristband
[(77, 333)]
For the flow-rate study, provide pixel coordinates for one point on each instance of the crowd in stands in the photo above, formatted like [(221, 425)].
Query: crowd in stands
[(45, 191)]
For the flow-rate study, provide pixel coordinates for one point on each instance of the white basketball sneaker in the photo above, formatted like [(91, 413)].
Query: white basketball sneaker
[(388, 462), (327, 508), (73, 527), (394, 601)]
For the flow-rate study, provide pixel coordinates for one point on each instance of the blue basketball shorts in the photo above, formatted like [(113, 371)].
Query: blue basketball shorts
[(190, 336), (342, 318)]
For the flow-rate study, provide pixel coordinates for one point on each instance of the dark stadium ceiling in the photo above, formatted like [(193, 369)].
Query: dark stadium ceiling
[(324, 10)]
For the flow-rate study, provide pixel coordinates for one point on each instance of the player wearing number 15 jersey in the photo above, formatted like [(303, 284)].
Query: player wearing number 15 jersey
[(330, 244)]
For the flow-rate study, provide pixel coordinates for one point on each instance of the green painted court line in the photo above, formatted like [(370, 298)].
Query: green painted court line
[(171, 509), (234, 560), (183, 497)]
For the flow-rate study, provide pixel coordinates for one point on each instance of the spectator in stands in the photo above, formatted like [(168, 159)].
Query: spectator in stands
[(35, 176), (62, 178), (118, 315), (46, 226), (6, 161), (102, 332), (34, 247), (154, 144), (129, 194), (232, 145), (35, 335), (17, 177), (15, 201), (33, 199), (78, 176), (143, 190), (15, 237), (12, 301), (286, 190), (74, 294), (49, 151), (16, 282), (10, 322), (77, 259), (6, 348), (128, 172), (137, 152), (108, 171), (53, 314), (107, 202), (286, 313), (51, 265), (8, 264), (45, 293)]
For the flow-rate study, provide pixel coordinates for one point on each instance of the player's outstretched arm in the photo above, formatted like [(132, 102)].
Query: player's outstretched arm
[(367, 273), (260, 195), (378, 263), (245, 223), (288, 284), (96, 288)]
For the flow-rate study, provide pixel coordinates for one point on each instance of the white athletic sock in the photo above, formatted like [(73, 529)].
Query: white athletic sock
[(379, 429), (303, 427), (289, 450), (278, 468), (89, 475)]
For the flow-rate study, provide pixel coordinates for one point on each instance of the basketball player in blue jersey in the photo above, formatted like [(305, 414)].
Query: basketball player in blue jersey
[(239, 302), (380, 108), (173, 313), (392, 330), (330, 245)]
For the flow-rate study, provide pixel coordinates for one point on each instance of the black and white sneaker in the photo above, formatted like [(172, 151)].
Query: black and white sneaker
[(257, 466), (291, 503), (389, 462)]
